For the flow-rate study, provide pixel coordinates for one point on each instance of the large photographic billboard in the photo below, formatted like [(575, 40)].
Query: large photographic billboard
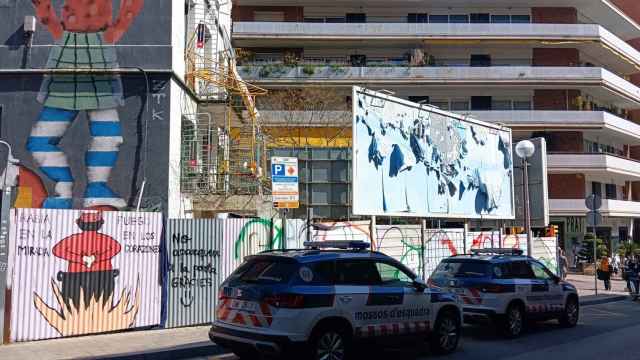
[(416, 160)]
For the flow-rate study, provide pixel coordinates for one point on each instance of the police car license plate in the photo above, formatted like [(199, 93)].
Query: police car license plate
[(243, 305)]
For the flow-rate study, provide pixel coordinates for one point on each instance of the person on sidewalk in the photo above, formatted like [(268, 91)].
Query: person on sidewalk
[(563, 264), (604, 273)]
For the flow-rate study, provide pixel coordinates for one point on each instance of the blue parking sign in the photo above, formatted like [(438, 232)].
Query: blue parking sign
[(277, 169)]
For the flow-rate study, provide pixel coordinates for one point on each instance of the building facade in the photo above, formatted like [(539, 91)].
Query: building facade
[(563, 70)]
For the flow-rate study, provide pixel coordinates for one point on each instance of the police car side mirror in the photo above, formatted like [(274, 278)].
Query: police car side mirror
[(419, 285)]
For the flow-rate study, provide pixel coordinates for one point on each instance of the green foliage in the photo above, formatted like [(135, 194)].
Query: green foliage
[(628, 249), (274, 70), (586, 252), (337, 69), (309, 69)]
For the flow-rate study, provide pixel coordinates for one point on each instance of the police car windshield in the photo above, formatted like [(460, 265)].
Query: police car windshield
[(266, 271), (462, 268)]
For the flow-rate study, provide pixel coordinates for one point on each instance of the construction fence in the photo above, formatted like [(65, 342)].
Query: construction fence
[(74, 272)]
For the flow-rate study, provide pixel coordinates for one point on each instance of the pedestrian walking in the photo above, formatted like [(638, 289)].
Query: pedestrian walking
[(604, 272), (563, 264)]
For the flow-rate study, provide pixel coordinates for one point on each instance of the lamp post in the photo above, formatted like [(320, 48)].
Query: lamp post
[(525, 150)]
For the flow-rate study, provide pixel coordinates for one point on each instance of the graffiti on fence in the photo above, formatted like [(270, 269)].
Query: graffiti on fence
[(404, 244), (83, 272)]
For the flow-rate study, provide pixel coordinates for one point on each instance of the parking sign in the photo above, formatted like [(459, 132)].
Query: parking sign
[(284, 182)]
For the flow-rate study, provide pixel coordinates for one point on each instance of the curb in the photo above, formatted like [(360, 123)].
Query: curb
[(606, 300), (205, 348)]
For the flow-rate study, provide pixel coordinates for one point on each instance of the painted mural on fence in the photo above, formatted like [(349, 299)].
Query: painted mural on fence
[(79, 272), (82, 139), (423, 162)]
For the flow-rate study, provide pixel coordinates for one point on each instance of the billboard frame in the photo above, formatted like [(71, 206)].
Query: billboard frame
[(427, 108)]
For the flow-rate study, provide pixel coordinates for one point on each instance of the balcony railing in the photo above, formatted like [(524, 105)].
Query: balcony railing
[(378, 62)]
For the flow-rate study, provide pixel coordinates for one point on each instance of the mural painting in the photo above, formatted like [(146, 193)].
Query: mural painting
[(84, 35), (83, 272)]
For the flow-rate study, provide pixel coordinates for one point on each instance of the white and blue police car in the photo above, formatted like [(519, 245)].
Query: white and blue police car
[(326, 300), (507, 288)]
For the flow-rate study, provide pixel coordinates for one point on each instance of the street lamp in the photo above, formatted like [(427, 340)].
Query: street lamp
[(525, 150)]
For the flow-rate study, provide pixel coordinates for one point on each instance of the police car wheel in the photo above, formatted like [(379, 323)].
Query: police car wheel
[(330, 344), (446, 333), (514, 321), (571, 313)]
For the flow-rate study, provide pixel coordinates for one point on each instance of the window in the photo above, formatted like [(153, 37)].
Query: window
[(501, 105), (459, 19), (540, 272), (358, 60), (522, 105), (267, 271), (481, 103), (419, 99), (439, 19), (596, 188), (357, 272), (453, 268), (521, 270), (610, 191), (417, 18), (275, 16), (520, 19), (356, 18), (392, 275), (335, 20), (460, 105), (502, 271), (480, 18), (500, 19), (480, 60), (313, 20), (323, 272)]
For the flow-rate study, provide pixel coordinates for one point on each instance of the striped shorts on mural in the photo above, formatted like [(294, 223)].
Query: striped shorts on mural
[(101, 157)]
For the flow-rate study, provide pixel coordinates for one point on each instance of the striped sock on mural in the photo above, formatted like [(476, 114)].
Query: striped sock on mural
[(43, 144), (101, 157)]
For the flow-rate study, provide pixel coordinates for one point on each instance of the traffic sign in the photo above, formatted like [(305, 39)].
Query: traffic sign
[(594, 218), (593, 202), (284, 183)]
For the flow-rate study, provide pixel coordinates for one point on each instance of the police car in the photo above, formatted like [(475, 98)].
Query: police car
[(503, 286), (324, 302)]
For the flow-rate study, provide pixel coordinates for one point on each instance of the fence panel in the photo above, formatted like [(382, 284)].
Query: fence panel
[(194, 248), (403, 243), (81, 272)]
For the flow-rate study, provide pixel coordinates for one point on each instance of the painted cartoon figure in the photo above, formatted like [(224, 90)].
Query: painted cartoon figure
[(86, 301), (89, 254), (85, 35)]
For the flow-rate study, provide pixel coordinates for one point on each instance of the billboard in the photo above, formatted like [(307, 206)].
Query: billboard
[(416, 160)]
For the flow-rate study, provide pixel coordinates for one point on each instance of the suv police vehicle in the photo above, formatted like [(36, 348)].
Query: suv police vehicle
[(507, 288), (324, 302)]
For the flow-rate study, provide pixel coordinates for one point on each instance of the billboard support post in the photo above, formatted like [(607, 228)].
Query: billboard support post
[(372, 230), (423, 228), (465, 231)]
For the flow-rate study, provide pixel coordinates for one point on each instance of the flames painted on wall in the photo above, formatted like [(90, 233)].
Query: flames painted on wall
[(78, 272)]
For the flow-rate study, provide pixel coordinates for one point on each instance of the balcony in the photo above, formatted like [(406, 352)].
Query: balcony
[(577, 207), (593, 39), (595, 164), (599, 82)]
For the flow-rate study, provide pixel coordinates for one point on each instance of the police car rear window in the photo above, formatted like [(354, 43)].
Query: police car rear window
[(266, 271), (462, 268)]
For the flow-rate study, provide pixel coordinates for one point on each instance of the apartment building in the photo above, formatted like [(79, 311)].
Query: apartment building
[(561, 69)]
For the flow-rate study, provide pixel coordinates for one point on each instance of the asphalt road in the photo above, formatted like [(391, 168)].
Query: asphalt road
[(607, 331)]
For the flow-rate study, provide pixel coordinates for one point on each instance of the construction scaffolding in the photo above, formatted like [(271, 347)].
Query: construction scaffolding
[(223, 151)]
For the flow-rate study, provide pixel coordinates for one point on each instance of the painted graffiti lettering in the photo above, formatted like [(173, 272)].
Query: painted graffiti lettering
[(182, 239), (196, 252), (209, 268), (187, 282), (130, 220), (142, 249), (133, 236), (27, 234), (159, 96), (34, 219), (33, 251)]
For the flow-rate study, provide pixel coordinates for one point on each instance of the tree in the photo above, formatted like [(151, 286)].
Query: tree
[(586, 251), (628, 249)]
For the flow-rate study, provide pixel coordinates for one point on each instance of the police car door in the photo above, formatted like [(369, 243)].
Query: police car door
[(409, 308), (552, 296), (354, 280)]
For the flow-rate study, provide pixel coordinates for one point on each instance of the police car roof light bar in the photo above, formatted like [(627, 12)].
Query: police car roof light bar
[(497, 251), (337, 244)]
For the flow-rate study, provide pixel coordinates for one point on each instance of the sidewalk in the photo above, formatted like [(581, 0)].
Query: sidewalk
[(194, 341), (150, 344), (586, 289)]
